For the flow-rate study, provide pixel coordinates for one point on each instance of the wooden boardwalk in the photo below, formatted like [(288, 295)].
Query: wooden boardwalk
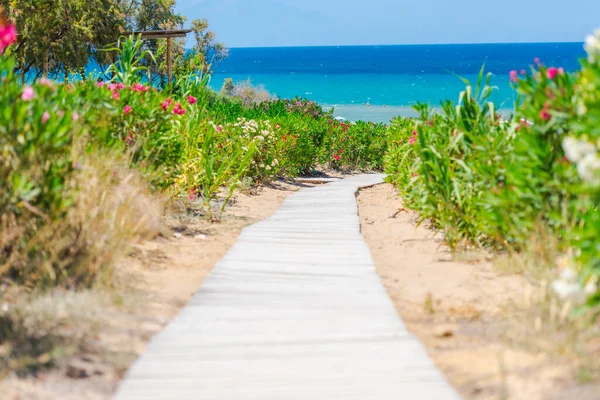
[(295, 310)]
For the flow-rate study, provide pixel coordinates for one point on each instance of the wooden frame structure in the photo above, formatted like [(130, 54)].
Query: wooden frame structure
[(169, 35)]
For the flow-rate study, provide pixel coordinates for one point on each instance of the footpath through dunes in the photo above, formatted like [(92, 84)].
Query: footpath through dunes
[(295, 310)]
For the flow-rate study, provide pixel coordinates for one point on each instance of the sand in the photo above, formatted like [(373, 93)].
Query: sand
[(458, 310), (152, 285), (380, 113)]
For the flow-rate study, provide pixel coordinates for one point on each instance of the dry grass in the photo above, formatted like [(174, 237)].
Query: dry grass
[(38, 331), (111, 209), (543, 323)]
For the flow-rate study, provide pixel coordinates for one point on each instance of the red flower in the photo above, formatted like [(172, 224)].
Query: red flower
[(178, 109), (545, 115), (8, 35), (165, 104), (341, 151), (192, 100), (337, 158), (551, 73)]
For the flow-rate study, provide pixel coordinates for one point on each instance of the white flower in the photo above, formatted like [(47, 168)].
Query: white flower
[(568, 291), (581, 108), (265, 132), (592, 45), (591, 286), (568, 275), (268, 167), (260, 138), (575, 149), (275, 162), (589, 167)]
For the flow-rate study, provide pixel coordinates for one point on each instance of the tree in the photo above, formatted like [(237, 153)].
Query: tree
[(59, 36), (62, 36), (211, 51)]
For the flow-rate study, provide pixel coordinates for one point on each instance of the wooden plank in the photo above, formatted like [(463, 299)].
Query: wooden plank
[(295, 310), (159, 34)]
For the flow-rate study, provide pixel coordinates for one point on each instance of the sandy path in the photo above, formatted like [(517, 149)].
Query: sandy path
[(458, 310), (152, 285), (295, 310)]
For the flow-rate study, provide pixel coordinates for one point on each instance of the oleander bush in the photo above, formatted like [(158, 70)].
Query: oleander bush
[(83, 164), (484, 180)]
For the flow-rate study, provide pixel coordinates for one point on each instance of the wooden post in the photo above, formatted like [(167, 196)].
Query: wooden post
[(169, 61), (169, 35)]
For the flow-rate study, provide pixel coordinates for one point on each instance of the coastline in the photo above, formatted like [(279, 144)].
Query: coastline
[(380, 114)]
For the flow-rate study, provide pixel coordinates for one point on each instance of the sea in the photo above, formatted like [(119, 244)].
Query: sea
[(378, 82)]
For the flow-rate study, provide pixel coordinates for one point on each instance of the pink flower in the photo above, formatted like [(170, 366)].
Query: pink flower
[(45, 117), (100, 84), (537, 60), (523, 72), (127, 110), (28, 94), (138, 87), (561, 71), (514, 76), (551, 73), (116, 86), (412, 140), (192, 100), (337, 158), (178, 109), (219, 128), (46, 82), (298, 103), (165, 104), (115, 95), (75, 116), (8, 35), (545, 115)]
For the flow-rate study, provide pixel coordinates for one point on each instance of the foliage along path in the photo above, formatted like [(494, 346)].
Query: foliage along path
[(295, 310)]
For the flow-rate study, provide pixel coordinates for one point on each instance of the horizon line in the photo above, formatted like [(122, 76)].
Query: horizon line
[(401, 44)]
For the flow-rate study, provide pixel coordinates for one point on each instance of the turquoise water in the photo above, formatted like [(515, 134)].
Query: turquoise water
[(395, 76), (390, 79)]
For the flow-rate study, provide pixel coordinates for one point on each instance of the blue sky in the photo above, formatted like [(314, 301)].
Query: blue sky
[(257, 23)]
